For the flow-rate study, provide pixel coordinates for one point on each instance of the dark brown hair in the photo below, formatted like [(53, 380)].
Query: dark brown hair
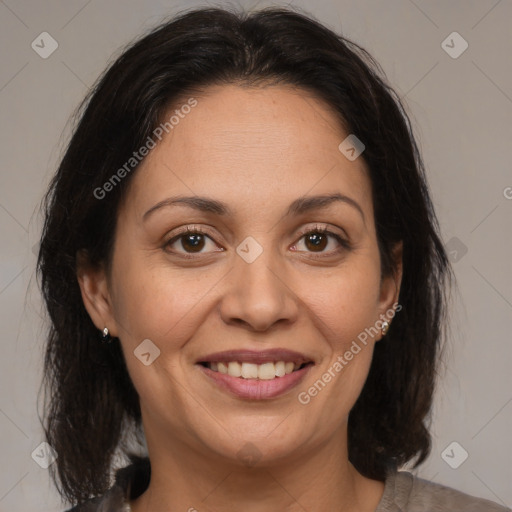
[(91, 402)]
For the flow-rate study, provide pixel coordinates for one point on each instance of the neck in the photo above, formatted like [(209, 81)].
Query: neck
[(318, 480)]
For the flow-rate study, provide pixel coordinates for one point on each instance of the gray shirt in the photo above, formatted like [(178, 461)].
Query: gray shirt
[(403, 492)]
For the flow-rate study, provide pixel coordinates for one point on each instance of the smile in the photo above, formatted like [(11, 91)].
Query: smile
[(255, 375)]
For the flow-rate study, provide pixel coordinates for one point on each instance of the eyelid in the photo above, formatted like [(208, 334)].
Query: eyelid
[(322, 228), (189, 228)]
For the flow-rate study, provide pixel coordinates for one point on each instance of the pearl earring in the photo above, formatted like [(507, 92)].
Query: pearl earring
[(105, 336)]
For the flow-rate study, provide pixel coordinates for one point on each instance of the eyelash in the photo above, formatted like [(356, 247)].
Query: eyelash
[(345, 245)]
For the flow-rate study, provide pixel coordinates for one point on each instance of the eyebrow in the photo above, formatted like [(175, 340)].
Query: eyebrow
[(298, 206)]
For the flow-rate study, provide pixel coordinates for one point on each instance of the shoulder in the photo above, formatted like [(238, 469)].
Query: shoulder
[(112, 501), (414, 494), (130, 482)]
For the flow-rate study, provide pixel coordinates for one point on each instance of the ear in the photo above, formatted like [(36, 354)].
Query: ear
[(95, 293), (390, 285)]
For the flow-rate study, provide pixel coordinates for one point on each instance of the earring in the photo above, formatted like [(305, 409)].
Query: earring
[(385, 327), (105, 336)]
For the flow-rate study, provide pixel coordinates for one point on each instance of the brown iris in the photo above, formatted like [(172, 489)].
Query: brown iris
[(193, 242), (318, 240)]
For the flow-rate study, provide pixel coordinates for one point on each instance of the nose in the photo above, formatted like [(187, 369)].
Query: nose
[(258, 294)]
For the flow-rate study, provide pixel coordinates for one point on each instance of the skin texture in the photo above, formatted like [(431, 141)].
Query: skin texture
[(257, 150)]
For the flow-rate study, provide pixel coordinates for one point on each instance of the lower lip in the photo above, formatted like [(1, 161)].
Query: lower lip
[(256, 389)]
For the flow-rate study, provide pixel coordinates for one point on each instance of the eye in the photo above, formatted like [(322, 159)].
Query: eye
[(191, 240), (317, 239)]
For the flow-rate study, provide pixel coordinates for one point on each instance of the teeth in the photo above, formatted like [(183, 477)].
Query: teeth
[(280, 368), (265, 371), (234, 369), (249, 371)]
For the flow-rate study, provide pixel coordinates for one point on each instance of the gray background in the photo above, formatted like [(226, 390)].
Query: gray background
[(462, 112)]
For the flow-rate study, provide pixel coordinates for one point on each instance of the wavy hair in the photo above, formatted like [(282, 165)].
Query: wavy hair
[(90, 401)]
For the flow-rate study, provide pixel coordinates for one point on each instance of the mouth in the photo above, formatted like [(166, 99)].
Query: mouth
[(256, 375)]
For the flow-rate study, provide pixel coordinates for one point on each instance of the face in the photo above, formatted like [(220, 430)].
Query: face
[(267, 279)]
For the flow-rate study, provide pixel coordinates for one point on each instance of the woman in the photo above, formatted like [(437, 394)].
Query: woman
[(243, 268)]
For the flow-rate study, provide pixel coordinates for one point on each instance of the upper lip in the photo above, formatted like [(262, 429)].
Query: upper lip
[(257, 356)]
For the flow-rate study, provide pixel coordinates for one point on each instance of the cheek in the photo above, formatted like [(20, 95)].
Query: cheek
[(155, 303), (345, 302), (346, 307), (161, 306)]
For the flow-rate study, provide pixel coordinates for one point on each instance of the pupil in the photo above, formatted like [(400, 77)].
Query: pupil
[(195, 242), (318, 240)]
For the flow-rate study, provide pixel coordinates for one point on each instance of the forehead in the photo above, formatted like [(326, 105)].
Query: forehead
[(255, 146)]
